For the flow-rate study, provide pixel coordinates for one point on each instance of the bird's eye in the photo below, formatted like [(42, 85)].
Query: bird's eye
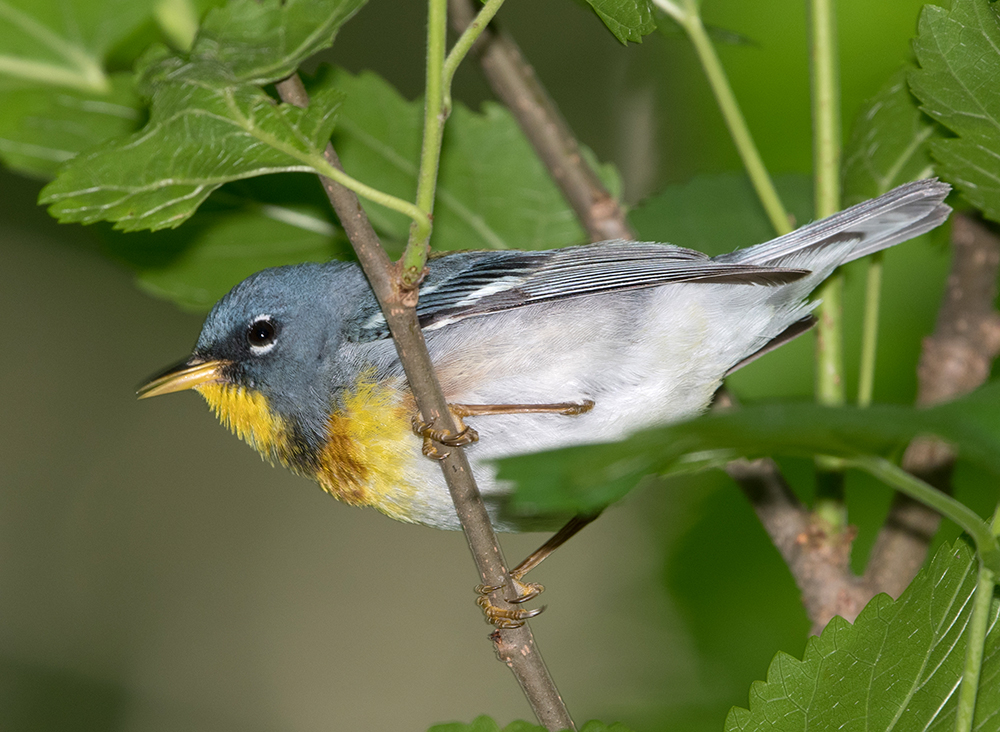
[(261, 334)]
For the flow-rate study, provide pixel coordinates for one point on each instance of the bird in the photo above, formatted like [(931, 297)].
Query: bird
[(536, 350)]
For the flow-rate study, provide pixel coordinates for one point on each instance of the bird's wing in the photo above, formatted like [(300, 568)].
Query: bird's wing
[(467, 284), (505, 280)]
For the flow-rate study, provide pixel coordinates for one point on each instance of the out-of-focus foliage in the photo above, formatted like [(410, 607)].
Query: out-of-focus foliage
[(488, 170), (628, 20), (718, 213), (889, 144)]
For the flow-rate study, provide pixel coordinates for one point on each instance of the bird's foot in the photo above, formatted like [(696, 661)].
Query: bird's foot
[(431, 435), (509, 618)]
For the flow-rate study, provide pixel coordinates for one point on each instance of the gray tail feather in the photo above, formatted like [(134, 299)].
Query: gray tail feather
[(902, 213)]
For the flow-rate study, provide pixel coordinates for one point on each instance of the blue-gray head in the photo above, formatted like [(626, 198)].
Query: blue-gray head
[(266, 360)]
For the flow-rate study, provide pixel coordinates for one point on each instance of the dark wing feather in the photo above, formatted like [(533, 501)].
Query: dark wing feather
[(507, 280), (467, 284)]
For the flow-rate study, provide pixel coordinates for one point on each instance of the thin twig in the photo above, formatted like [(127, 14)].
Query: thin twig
[(513, 81), (464, 44), (955, 360), (398, 305)]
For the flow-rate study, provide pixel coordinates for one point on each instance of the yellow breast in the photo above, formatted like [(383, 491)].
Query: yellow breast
[(368, 447)]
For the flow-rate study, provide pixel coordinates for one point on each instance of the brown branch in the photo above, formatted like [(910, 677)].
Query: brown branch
[(955, 360), (516, 647), (819, 562), (514, 82)]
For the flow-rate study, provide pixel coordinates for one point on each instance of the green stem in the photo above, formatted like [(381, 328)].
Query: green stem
[(421, 221), (826, 153), (967, 519), (691, 22), (464, 44), (869, 338), (825, 107), (46, 74), (978, 625), (829, 504), (415, 256)]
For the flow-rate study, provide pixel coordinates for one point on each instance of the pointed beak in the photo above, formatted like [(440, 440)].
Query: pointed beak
[(187, 375)]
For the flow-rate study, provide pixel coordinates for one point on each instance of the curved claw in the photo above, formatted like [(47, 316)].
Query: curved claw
[(465, 436), (503, 618), (431, 451), (526, 591), (506, 618)]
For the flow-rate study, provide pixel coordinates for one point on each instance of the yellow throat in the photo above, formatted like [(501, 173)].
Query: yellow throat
[(369, 442)]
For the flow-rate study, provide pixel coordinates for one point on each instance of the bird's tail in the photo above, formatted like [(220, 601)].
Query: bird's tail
[(902, 213)]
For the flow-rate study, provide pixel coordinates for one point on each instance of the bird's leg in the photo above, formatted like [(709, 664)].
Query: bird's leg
[(506, 619), (467, 435), (500, 617), (431, 434), (481, 410)]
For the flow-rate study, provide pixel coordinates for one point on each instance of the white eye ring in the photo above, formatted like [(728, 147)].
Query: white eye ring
[(262, 334)]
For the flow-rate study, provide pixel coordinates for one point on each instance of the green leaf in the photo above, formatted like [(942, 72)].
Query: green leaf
[(717, 213), (213, 135), (64, 44), (378, 141), (628, 20), (897, 667), (493, 189), (587, 478), (957, 82), (492, 193), (209, 122), (43, 127), (889, 144), (56, 98), (261, 42), (217, 250)]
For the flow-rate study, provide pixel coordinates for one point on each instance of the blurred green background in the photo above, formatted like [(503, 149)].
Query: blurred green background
[(155, 575)]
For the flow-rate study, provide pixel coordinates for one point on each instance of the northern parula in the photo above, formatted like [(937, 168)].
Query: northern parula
[(604, 339)]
